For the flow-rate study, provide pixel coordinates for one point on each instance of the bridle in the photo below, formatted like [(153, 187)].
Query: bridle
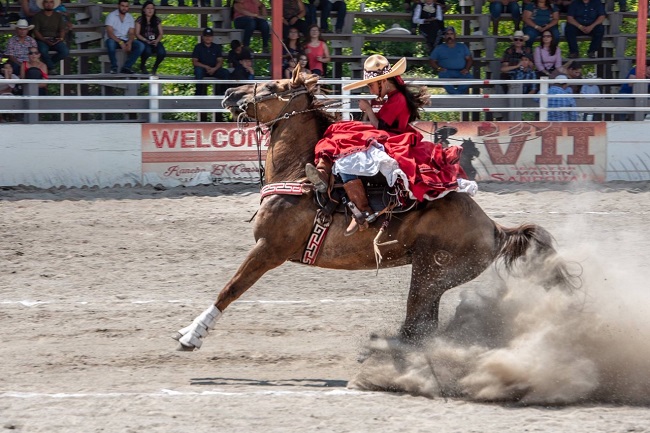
[(287, 97)]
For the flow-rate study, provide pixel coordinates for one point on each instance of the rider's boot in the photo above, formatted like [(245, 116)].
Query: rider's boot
[(320, 174), (357, 194)]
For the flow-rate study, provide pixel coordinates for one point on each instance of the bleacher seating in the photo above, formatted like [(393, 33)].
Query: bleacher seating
[(472, 23)]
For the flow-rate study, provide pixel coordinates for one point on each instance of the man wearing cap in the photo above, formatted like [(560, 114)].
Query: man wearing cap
[(561, 88), (49, 32), (18, 45), (207, 59), (452, 60), (244, 66), (120, 33)]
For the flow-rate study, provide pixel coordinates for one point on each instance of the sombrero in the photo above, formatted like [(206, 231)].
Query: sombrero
[(375, 68), (39, 3)]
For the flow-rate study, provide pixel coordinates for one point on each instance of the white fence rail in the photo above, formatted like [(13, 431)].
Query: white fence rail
[(147, 98)]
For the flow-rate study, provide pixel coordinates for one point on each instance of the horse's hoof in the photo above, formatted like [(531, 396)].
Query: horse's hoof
[(184, 348), (177, 336)]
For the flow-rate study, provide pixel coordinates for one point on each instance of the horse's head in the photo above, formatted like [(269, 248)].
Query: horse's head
[(271, 101), (469, 148)]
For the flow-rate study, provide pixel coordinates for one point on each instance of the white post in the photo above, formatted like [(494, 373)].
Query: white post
[(154, 91), (543, 99), (345, 101)]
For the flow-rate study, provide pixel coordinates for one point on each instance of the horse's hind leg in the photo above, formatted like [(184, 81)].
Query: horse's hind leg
[(258, 261)]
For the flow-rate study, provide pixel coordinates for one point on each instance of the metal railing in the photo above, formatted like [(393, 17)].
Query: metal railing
[(145, 99)]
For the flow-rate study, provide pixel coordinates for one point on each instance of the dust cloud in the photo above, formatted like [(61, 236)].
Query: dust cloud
[(513, 341)]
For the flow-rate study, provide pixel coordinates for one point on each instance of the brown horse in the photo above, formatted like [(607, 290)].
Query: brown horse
[(448, 241)]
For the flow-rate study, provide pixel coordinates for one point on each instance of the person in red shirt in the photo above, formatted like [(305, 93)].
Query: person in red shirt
[(388, 144)]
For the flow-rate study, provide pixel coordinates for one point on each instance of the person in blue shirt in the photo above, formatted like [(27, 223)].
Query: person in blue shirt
[(452, 60), (585, 18), (560, 88)]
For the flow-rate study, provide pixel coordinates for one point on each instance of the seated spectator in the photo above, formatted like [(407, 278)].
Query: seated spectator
[(7, 89), (49, 31), (539, 16), (452, 60), (560, 88), (28, 8), (497, 7), (429, 16), (293, 15), (19, 45), (628, 88), (244, 69), (148, 30), (525, 71), (326, 7), (548, 56), (511, 59), (585, 18), (291, 48), (590, 89), (120, 33), (317, 51), (34, 69), (233, 55), (573, 70), (207, 59), (250, 15), (302, 63)]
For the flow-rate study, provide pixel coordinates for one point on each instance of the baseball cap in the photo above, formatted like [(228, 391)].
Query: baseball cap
[(450, 29), (208, 32)]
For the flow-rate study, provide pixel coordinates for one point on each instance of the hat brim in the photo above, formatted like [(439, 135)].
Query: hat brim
[(397, 69), (25, 28), (524, 37), (39, 3)]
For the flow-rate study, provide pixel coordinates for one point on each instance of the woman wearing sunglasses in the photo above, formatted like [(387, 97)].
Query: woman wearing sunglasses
[(34, 69), (548, 56)]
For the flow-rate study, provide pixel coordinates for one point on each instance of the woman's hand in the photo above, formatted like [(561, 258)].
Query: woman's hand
[(364, 105)]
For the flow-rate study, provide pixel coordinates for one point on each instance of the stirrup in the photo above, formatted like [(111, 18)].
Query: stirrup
[(315, 177)]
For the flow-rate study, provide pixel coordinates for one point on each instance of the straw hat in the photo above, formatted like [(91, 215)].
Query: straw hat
[(39, 3), (519, 35), (376, 68), (23, 24)]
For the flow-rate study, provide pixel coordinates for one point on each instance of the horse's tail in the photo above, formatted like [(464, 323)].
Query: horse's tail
[(529, 249)]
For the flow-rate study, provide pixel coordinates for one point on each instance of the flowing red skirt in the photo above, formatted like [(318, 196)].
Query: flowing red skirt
[(431, 169)]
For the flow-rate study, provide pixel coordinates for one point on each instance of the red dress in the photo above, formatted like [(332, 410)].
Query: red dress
[(430, 168)]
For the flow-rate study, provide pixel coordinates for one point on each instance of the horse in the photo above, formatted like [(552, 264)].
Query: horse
[(448, 241)]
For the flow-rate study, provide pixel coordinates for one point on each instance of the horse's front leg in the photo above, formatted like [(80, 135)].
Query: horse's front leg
[(258, 261)]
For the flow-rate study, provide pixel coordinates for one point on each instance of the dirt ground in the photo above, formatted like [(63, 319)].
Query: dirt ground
[(93, 283)]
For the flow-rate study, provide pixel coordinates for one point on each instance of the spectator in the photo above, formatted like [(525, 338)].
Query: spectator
[(34, 69), (497, 7), (233, 55), (293, 15), (559, 88), (526, 71), (627, 87), (590, 89), (250, 15), (585, 18), (18, 45), (429, 16), (244, 69), (326, 7), (302, 63), (148, 30), (539, 16), (452, 60), (7, 89), (120, 33), (317, 51), (28, 8), (291, 49), (548, 56), (573, 70), (511, 59), (49, 31), (207, 59)]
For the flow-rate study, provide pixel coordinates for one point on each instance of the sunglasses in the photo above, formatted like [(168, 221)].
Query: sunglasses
[(518, 40), (33, 52)]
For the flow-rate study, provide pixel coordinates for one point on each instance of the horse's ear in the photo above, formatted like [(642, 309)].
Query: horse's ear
[(311, 82), (296, 77)]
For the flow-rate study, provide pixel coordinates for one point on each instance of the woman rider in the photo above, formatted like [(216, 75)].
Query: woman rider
[(388, 144)]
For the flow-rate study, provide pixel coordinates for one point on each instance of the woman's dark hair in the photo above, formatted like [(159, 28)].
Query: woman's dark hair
[(554, 43), (413, 101)]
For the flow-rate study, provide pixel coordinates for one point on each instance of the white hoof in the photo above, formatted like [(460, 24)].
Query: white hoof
[(191, 336)]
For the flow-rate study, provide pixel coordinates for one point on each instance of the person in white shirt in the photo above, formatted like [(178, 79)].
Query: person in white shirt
[(120, 33)]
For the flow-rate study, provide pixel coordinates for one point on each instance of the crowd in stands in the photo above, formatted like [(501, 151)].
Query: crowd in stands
[(40, 41)]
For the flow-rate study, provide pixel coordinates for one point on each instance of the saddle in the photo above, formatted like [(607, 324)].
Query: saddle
[(381, 197)]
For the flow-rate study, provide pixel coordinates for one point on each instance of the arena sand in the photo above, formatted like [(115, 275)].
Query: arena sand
[(93, 282)]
